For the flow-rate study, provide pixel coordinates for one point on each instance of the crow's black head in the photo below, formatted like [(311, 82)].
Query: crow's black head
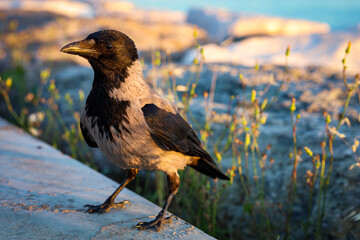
[(107, 50)]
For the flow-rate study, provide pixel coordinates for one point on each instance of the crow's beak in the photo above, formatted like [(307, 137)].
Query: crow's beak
[(83, 48)]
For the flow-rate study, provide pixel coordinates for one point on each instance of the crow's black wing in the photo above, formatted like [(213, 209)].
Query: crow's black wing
[(88, 138), (172, 133)]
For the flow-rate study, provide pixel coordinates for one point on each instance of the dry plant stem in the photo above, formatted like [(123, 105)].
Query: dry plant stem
[(243, 86), (247, 167), (255, 153), (255, 177), (221, 137), (188, 204), (293, 185), (212, 93), (262, 195), (344, 79), (213, 214), (40, 90), (154, 70), (313, 180), (160, 187), (209, 106), (331, 142), (327, 180), (349, 89), (192, 91), (262, 201), (267, 88), (252, 147), (344, 68), (253, 158), (322, 173), (199, 66), (174, 91), (245, 187), (242, 180), (255, 149), (200, 211), (306, 231), (342, 116), (10, 107), (231, 134), (286, 72)]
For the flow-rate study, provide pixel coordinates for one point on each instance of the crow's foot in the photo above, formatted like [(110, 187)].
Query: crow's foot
[(157, 223), (105, 207)]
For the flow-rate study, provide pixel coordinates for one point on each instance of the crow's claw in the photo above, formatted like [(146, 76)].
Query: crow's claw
[(105, 207), (157, 223)]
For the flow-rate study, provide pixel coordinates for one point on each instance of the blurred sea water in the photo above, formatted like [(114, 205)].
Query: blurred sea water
[(340, 15)]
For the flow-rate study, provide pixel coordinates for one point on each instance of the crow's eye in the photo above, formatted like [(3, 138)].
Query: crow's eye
[(109, 46)]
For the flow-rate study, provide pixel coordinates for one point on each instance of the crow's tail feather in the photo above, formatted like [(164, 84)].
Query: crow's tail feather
[(208, 168)]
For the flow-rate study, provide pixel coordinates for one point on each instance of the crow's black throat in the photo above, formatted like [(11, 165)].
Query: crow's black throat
[(104, 110)]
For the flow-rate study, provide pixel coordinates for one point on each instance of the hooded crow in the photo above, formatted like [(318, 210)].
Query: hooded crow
[(133, 125)]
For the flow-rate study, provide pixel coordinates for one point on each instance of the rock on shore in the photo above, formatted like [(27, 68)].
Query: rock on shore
[(222, 24), (309, 50)]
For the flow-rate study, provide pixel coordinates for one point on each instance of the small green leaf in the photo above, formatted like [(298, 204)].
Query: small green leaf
[(308, 151), (195, 32), (247, 140), (287, 53), (263, 105), (328, 118), (347, 51), (256, 65), (253, 95), (44, 75), (241, 77), (293, 106), (8, 82), (81, 95)]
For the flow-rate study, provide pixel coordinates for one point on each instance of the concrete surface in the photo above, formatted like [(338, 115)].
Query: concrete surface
[(42, 193)]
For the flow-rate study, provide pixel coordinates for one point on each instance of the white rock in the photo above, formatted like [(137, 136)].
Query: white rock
[(313, 50), (215, 22), (261, 25), (117, 6), (222, 23), (66, 8), (156, 16), (129, 11)]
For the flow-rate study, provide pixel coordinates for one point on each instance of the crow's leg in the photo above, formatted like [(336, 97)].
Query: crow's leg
[(173, 183), (110, 203)]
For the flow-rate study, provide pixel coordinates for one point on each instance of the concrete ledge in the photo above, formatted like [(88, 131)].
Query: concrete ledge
[(42, 193)]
